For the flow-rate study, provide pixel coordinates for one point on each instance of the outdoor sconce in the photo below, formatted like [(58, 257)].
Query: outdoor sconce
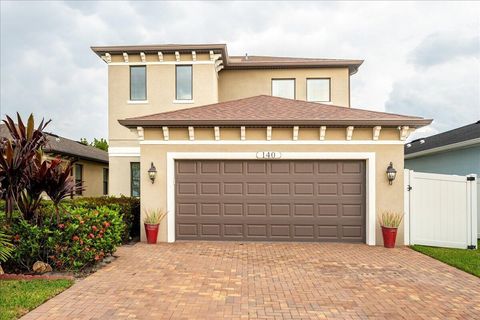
[(391, 173), (152, 172)]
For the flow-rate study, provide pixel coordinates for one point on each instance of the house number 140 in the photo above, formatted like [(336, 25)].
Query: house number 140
[(269, 155)]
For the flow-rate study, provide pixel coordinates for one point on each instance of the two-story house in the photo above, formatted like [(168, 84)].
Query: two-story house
[(250, 147)]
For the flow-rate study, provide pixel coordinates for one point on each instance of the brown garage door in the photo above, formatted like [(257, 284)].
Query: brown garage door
[(312, 200)]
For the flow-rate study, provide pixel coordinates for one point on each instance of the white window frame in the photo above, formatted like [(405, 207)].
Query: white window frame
[(285, 79)]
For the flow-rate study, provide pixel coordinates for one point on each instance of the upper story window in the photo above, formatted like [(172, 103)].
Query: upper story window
[(183, 86), (283, 88), (318, 90), (138, 83)]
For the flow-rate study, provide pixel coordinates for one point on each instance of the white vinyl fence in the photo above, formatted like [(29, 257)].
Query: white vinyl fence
[(441, 210)]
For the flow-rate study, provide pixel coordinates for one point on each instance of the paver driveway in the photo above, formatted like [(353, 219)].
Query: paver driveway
[(218, 280)]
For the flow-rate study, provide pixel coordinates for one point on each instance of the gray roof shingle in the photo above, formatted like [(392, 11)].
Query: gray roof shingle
[(67, 147), (465, 133)]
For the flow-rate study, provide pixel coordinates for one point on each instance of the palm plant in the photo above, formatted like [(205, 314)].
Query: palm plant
[(6, 247)]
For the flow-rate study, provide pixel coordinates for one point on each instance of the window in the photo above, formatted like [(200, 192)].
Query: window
[(79, 178), (318, 90), (105, 181), (138, 83), (283, 88), (183, 83), (135, 179)]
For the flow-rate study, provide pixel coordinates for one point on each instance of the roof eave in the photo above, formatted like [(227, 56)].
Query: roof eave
[(68, 154), (414, 123)]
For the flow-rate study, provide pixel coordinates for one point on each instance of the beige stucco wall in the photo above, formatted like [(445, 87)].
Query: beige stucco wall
[(388, 197), (92, 178), (160, 93), (119, 175), (236, 84)]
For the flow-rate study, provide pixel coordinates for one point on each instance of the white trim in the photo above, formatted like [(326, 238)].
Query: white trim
[(369, 157), (274, 142), (139, 63), (183, 101), (124, 151), (448, 147), (137, 102)]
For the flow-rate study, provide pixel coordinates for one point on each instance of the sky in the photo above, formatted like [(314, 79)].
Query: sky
[(421, 58)]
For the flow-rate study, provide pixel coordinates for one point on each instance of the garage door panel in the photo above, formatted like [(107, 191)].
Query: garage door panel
[(308, 200)]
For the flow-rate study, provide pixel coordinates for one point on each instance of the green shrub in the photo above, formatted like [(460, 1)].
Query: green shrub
[(129, 209), (82, 237)]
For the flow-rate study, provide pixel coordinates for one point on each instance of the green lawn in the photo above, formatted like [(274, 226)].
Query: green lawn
[(17, 297), (466, 260)]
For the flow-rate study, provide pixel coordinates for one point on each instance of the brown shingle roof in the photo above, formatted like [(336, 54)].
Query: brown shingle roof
[(268, 110), (67, 147), (234, 62)]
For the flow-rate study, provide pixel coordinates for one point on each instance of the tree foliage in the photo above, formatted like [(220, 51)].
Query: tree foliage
[(101, 143)]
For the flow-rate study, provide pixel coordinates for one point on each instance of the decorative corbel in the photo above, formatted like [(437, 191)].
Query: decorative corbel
[(323, 130), (349, 133), (194, 56), (212, 56), (295, 133), (242, 133), (191, 133), (217, 133), (269, 133), (376, 132), (141, 133), (125, 57), (404, 132), (142, 56), (166, 135), (160, 56), (177, 56), (107, 58)]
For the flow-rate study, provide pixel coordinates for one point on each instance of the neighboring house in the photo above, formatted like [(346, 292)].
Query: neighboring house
[(452, 152), (91, 164), (250, 147)]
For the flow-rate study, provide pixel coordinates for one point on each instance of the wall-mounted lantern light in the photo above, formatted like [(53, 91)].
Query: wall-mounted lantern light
[(391, 173), (152, 172)]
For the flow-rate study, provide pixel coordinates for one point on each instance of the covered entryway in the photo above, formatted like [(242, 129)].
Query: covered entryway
[(278, 200)]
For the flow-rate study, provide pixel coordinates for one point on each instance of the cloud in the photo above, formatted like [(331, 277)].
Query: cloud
[(46, 66), (439, 48)]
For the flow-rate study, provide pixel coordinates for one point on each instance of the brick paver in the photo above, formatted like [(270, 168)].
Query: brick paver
[(221, 280)]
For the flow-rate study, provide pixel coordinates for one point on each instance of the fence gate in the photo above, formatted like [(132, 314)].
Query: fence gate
[(441, 210)]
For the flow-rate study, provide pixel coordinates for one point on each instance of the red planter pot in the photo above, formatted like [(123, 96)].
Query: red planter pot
[(389, 237), (152, 232)]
